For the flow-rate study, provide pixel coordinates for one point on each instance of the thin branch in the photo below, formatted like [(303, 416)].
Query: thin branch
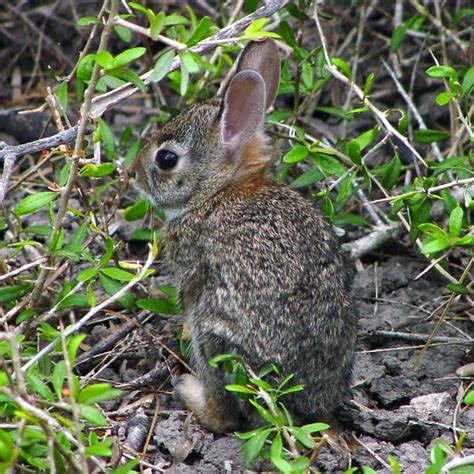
[(146, 32)]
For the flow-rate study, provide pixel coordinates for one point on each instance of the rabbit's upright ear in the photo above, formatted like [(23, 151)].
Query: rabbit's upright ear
[(250, 93), (262, 56), (243, 109)]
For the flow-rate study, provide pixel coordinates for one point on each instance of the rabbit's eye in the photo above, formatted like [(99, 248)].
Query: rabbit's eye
[(166, 159)]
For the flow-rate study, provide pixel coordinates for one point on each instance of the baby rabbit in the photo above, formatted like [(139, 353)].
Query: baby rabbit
[(259, 270)]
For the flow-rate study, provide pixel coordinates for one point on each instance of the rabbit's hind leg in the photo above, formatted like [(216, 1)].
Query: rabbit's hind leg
[(214, 411), (205, 395)]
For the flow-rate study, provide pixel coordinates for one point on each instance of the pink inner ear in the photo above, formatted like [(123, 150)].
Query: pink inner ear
[(244, 107)]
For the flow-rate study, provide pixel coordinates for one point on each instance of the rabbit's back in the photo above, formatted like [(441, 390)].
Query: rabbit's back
[(262, 258)]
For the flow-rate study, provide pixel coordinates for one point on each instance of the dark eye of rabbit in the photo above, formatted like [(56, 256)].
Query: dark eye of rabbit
[(166, 159)]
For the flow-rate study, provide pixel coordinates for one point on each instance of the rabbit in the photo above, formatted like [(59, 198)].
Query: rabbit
[(258, 268)]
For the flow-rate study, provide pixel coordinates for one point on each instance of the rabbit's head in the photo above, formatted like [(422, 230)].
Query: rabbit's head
[(214, 143)]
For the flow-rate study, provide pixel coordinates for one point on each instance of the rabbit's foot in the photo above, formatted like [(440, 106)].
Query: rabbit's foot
[(216, 414)]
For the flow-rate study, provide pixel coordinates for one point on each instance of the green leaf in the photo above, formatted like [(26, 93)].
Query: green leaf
[(100, 449), (307, 179), (444, 97), (175, 19), (343, 66), (419, 213), (189, 62), (282, 465), (300, 464), (109, 250), (315, 427), (162, 66), (159, 306), (457, 288), (469, 398), (137, 210), (123, 33), (117, 274), (253, 446), (336, 111), (368, 83), (276, 447), (430, 136), (59, 375), (461, 14), (201, 31), (302, 436), (113, 286), (12, 293), (88, 20), (157, 25), (183, 85), (240, 389), (394, 465), (128, 76), (298, 153), (90, 170), (307, 74), (392, 173), (353, 150), (73, 347), (127, 56), (433, 230), (97, 393), (441, 71), (455, 221), (34, 202), (256, 26), (84, 67), (39, 387), (104, 59), (62, 95), (397, 37), (434, 246), (43, 230), (107, 139), (93, 415), (127, 468), (468, 82), (77, 300)]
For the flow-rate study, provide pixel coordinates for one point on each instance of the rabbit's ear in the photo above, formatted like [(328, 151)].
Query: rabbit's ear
[(243, 109), (263, 57)]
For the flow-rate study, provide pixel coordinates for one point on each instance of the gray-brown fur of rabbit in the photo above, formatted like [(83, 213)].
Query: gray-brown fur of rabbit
[(259, 270)]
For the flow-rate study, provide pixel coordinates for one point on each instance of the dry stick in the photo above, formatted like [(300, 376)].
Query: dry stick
[(380, 116), (434, 189), (23, 268), (147, 32), (92, 312), (82, 128)]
